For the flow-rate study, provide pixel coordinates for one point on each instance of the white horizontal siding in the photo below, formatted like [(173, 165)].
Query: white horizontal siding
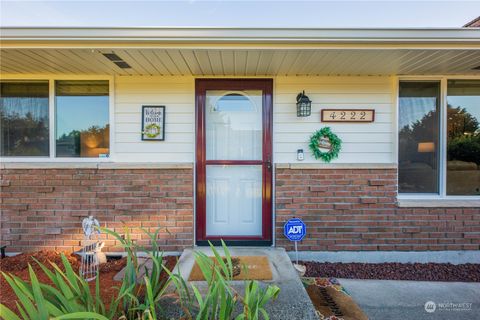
[(177, 94), (362, 142)]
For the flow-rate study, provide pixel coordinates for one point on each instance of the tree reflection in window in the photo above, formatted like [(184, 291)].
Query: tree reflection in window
[(82, 118), (24, 120), (463, 137), (418, 170)]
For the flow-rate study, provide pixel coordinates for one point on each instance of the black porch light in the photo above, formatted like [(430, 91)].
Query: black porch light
[(304, 105)]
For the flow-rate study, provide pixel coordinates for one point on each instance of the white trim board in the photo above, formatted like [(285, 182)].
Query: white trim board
[(336, 165), (94, 165), (263, 35)]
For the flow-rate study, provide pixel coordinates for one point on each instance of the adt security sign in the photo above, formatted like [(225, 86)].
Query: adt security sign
[(295, 229)]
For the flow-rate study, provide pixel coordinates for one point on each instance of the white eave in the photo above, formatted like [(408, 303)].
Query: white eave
[(243, 35), (240, 51)]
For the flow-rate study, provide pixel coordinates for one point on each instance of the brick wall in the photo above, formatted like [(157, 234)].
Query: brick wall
[(344, 209), (43, 208), (347, 209)]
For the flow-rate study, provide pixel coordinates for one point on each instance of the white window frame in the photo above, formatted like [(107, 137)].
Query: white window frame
[(51, 113), (442, 194)]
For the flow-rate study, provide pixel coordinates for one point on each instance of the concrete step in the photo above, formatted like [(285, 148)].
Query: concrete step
[(293, 301)]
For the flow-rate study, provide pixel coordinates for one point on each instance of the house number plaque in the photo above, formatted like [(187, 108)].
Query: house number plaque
[(348, 115)]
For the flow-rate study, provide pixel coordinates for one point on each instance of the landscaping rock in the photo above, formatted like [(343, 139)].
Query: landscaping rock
[(468, 272)]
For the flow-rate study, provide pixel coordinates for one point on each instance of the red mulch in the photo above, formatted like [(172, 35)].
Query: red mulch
[(18, 265), (468, 272)]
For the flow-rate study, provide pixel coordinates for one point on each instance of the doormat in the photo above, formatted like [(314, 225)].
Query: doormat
[(244, 268), (331, 300)]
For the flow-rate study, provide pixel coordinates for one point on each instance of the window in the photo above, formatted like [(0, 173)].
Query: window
[(24, 120), (439, 141), (463, 137), (81, 119), (73, 125), (418, 137), (238, 102)]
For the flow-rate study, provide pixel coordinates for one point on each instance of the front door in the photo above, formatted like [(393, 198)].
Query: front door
[(233, 161)]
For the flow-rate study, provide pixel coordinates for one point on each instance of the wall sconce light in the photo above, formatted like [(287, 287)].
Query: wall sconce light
[(304, 105)]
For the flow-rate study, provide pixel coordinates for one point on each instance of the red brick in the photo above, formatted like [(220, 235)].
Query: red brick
[(318, 188), (45, 207), (341, 213)]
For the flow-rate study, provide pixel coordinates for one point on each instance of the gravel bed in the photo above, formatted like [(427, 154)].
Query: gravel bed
[(395, 271)]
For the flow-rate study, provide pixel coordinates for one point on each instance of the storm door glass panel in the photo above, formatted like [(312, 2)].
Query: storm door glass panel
[(24, 120), (233, 122), (233, 125), (418, 154), (463, 137), (234, 200), (82, 119)]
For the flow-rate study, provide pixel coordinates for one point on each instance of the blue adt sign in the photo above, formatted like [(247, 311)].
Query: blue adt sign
[(295, 229)]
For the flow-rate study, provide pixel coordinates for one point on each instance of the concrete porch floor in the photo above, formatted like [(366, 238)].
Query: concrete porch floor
[(293, 301)]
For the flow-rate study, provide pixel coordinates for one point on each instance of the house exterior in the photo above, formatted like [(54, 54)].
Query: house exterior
[(475, 23), (195, 130)]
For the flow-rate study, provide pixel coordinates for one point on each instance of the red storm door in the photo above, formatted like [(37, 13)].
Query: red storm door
[(234, 161)]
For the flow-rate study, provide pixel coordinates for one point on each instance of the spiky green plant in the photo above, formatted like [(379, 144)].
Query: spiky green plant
[(69, 294), (142, 295), (255, 299), (221, 298), (71, 298)]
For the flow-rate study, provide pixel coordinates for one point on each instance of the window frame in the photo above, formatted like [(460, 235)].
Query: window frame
[(51, 114), (442, 179)]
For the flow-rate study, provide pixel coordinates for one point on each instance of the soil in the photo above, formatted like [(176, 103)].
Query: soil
[(18, 266), (468, 272)]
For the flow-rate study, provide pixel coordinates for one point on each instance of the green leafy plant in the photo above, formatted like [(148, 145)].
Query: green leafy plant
[(140, 298), (70, 297), (255, 299), (69, 294), (221, 299)]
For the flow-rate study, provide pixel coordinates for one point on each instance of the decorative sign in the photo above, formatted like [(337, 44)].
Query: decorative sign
[(153, 123), (348, 115), (295, 229)]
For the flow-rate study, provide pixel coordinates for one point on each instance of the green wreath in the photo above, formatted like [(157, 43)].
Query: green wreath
[(334, 144), (152, 130)]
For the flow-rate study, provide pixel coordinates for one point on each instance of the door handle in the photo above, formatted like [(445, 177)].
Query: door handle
[(268, 163)]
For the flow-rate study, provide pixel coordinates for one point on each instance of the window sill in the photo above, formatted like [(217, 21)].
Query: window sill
[(95, 165), (439, 203), (314, 165)]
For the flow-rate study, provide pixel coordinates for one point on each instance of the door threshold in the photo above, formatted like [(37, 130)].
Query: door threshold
[(236, 243)]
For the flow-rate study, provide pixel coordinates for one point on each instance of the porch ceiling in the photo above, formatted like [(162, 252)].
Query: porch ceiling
[(242, 62)]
